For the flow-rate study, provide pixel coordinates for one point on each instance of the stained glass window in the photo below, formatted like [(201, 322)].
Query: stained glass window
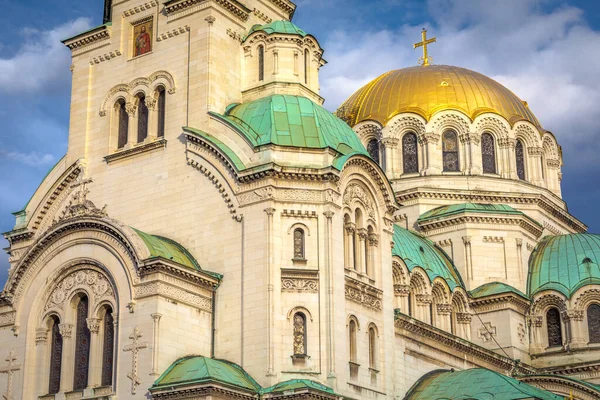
[(554, 328), (410, 157), (373, 149), (352, 337), (82, 346), (488, 154), (306, 61), (142, 131), (55, 357), (162, 100), (520, 155), (593, 317), (299, 334), (450, 151), (299, 244), (108, 348), (372, 348), (261, 63), (123, 124)]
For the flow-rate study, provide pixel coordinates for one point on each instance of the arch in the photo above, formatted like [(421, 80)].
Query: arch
[(373, 336), (493, 124), (520, 156), (410, 153), (453, 120), (593, 322), (488, 153), (299, 225), (450, 153), (301, 309), (299, 244), (56, 347), (122, 122), (353, 329), (554, 327), (163, 78), (406, 122), (373, 148), (399, 271), (528, 133), (545, 300)]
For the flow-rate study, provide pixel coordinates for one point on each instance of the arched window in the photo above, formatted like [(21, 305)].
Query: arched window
[(82, 346), (488, 154), (298, 244), (123, 123), (352, 328), (554, 328), (410, 156), (520, 156), (593, 320), (142, 131), (108, 348), (372, 348), (306, 63), (56, 346), (161, 108), (410, 303), (261, 63), (450, 151), (299, 334), (373, 149)]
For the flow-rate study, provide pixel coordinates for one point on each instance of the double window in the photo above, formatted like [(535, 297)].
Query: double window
[(147, 111)]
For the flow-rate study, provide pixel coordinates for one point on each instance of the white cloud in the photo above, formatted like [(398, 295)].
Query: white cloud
[(32, 159), (42, 59), (549, 57)]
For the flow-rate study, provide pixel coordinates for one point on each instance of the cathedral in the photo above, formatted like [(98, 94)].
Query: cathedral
[(214, 233)]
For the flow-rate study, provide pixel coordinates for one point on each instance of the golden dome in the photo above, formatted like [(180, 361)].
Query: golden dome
[(425, 90)]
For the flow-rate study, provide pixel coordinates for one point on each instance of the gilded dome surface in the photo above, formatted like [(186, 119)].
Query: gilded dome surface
[(425, 90)]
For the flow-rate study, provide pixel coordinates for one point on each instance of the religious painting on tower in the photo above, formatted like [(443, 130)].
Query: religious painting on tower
[(142, 37)]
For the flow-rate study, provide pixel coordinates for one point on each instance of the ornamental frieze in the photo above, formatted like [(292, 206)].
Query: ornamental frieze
[(363, 294), (293, 280), (355, 192), (94, 282)]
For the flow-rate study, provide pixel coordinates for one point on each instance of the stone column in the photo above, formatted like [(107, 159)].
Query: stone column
[(401, 293), (468, 258), (553, 167), (96, 349), (464, 153), (270, 287), (520, 258), (433, 154), (390, 147), (350, 230), (155, 343), (534, 166), (68, 357), (131, 109), (361, 251), (42, 360), (535, 340), (575, 321), (509, 146), (331, 375), (463, 325), (423, 302), (373, 242), (443, 313), (476, 164)]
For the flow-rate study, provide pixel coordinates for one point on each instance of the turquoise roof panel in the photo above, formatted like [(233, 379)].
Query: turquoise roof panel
[(297, 384), (280, 26), (493, 288), (564, 263), (198, 369), (476, 383), (225, 150), (292, 121), (478, 208), (418, 251)]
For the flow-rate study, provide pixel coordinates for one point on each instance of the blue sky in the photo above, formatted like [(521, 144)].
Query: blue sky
[(546, 51)]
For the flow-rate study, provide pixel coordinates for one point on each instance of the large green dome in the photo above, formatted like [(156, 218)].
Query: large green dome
[(564, 263), (292, 121)]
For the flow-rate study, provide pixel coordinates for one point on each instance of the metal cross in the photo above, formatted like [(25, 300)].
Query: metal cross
[(10, 370), (135, 347), (425, 59)]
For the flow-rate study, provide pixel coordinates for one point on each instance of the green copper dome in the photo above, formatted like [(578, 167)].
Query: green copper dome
[(476, 383), (292, 121), (493, 288), (417, 251), (281, 26), (564, 263)]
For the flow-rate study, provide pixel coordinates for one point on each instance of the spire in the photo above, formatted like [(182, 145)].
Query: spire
[(425, 60)]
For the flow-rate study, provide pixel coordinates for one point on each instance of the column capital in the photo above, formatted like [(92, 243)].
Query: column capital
[(93, 325), (373, 239), (66, 330), (466, 240), (156, 316), (390, 142), (270, 211), (362, 234), (41, 335), (350, 227), (130, 109), (150, 103), (329, 214)]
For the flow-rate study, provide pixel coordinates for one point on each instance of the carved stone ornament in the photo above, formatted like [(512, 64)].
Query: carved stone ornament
[(80, 206), (135, 348), (521, 333), (41, 335), (487, 332), (92, 281), (66, 330), (93, 324), (299, 284), (363, 293), (10, 370), (353, 192), (444, 309)]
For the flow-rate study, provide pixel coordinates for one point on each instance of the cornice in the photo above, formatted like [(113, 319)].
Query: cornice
[(499, 302), (469, 217), (142, 148), (286, 6), (87, 38), (416, 330), (233, 6), (200, 278)]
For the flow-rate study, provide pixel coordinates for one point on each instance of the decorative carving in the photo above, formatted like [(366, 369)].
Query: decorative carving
[(363, 293), (492, 124), (398, 126), (150, 103), (350, 228), (7, 318), (9, 370), (463, 318), (140, 8), (130, 108), (41, 335), (293, 280), (262, 16), (444, 309), (423, 299), (175, 293), (487, 332), (80, 206), (95, 283), (134, 348), (66, 330), (401, 290), (93, 324), (493, 239), (521, 333), (355, 191), (450, 121), (237, 36), (298, 214), (373, 239)]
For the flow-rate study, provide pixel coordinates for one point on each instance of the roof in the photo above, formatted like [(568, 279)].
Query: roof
[(480, 208), (476, 383), (425, 90), (292, 121), (564, 263), (418, 251), (200, 369), (280, 26), (168, 249), (493, 288), (297, 384)]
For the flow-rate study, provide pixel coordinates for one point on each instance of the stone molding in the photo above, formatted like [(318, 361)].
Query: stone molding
[(106, 57), (99, 34), (163, 289), (299, 214), (140, 8), (501, 301), (172, 33), (363, 293), (433, 227), (135, 150), (293, 280), (561, 384), (233, 7)]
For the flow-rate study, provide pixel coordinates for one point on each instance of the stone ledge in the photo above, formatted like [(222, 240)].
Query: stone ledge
[(138, 149)]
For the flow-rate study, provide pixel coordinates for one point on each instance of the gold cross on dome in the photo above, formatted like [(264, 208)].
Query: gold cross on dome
[(425, 59)]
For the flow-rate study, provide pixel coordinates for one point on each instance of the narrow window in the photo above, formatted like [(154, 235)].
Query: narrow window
[(352, 338), (306, 61), (55, 357), (298, 244), (372, 348), (299, 334), (82, 346), (108, 348), (261, 63), (410, 157), (142, 131), (488, 154), (450, 151), (123, 123), (162, 103), (410, 303), (554, 328), (520, 156), (373, 150), (593, 317)]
